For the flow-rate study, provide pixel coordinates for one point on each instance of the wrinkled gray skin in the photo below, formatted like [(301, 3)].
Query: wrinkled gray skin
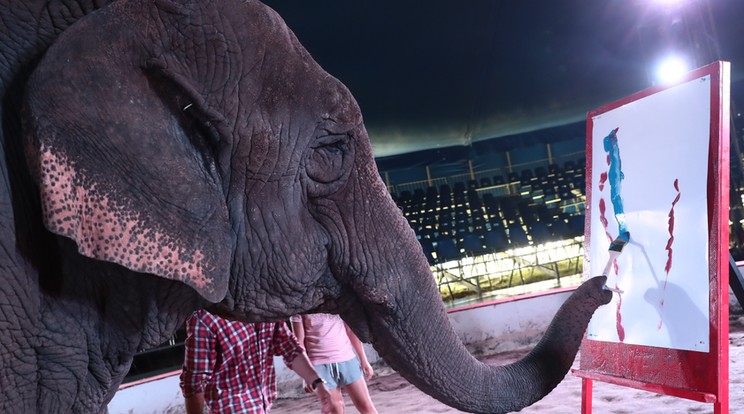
[(162, 156)]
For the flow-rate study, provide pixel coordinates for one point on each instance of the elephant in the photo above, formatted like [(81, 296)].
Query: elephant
[(162, 156)]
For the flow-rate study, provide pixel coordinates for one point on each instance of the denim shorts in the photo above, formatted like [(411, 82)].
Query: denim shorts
[(340, 374)]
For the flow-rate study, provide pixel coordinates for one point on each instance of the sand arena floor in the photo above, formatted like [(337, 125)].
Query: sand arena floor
[(392, 394)]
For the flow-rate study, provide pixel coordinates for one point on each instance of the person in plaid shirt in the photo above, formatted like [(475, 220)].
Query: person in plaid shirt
[(229, 365)]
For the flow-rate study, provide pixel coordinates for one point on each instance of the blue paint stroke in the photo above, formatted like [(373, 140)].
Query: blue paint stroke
[(616, 177)]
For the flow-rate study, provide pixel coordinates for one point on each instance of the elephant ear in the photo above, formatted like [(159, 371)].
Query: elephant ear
[(122, 168)]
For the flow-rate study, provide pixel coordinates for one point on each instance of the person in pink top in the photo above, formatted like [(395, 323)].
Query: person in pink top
[(339, 358)]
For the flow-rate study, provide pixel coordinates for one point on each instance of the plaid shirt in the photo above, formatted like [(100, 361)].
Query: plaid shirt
[(232, 362)]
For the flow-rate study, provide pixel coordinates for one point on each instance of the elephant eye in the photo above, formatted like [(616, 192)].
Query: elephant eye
[(327, 161), (336, 147), (334, 144)]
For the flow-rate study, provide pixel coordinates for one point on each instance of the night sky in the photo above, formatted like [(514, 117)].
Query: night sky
[(444, 72)]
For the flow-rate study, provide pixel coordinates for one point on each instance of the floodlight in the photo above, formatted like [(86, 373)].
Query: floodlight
[(671, 69), (669, 2)]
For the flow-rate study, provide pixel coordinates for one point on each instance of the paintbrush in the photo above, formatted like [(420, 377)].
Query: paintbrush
[(616, 247)]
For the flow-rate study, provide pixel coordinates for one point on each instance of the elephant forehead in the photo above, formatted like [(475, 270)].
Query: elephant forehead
[(343, 106), (104, 229)]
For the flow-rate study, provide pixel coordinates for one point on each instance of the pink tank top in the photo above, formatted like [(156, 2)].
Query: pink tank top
[(326, 340)]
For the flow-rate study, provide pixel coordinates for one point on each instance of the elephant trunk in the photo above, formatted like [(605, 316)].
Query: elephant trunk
[(409, 327), (415, 337)]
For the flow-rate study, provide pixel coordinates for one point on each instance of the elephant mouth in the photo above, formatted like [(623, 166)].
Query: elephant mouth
[(358, 321), (345, 302), (350, 306), (225, 312)]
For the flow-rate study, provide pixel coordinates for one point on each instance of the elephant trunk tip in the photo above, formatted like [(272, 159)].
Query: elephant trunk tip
[(540, 371)]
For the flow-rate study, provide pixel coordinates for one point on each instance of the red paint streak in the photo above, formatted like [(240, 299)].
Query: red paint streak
[(619, 317), (603, 218), (671, 235), (668, 248), (602, 209), (661, 320), (605, 224)]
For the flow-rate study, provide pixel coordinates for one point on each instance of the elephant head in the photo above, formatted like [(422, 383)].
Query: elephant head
[(197, 145)]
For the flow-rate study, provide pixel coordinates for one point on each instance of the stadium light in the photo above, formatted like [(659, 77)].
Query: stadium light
[(669, 2), (671, 69)]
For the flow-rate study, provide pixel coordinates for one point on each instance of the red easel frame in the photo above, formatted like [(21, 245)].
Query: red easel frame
[(698, 376)]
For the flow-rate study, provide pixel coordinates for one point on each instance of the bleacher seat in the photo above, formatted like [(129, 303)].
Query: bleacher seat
[(525, 178), (496, 239), (395, 196), (541, 176), (474, 200), (473, 245), (491, 205), (541, 171), (540, 233), (447, 250), (549, 193), (569, 167), (509, 209), (576, 225), (478, 219), (426, 246), (543, 213), (564, 192), (560, 230), (431, 200), (418, 196), (517, 236), (432, 194), (405, 196), (578, 185), (446, 217), (526, 212), (445, 196), (428, 221), (427, 234), (462, 219), (458, 195)]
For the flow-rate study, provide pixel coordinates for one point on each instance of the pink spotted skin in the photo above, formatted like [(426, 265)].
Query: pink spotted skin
[(105, 230)]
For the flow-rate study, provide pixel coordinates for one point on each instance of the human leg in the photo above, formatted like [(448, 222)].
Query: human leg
[(335, 403), (359, 395), (351, 380)]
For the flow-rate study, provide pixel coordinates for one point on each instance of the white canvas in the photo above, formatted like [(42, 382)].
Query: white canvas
[(661, 138)]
